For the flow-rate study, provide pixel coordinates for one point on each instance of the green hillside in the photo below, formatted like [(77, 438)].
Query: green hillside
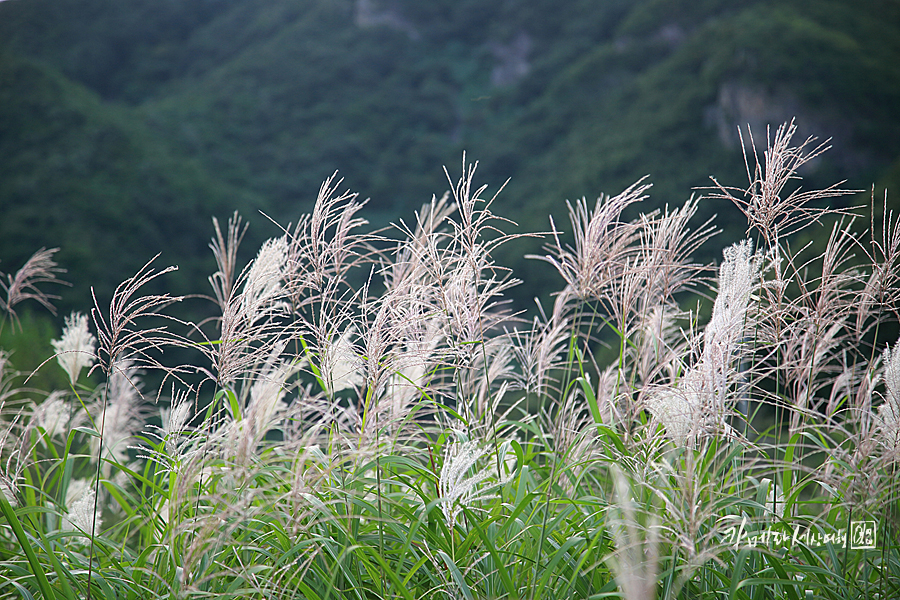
[(86, 177), (215, 103)]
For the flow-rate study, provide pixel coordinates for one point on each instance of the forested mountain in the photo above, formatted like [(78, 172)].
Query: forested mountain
[(124, 126)]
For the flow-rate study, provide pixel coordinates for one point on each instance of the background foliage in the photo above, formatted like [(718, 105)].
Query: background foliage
[(176, 111)]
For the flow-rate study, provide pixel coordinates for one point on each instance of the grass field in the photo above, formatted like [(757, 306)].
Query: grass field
[(362, 417)]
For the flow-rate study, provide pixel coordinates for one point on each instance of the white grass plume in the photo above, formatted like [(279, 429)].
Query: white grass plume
[(39, 269), (54, 415), (697, 401), (225, 250), (636, 560), (249, 326), (460, 478), (118, 332), (768, 209), (75, 349), (82, 514), (601, 241), (117, 415), (888, 417)]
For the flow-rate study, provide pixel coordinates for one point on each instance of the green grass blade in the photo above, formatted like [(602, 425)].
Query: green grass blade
[(19, 532)]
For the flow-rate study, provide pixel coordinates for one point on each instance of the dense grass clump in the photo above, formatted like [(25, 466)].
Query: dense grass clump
[(362, 417)]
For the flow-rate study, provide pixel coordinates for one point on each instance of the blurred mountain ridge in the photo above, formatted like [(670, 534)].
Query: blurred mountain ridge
[(131, 124)]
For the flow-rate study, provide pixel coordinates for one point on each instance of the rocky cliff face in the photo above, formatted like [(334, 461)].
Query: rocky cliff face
[(742, 107)]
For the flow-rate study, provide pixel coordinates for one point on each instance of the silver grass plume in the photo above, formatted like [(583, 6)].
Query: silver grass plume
[(82, 514), (814, 327), (697, 402), (118, 415), (881, 292), (459, 480), (174, 421), (540, 350), (248, 328), (636, 560), (738, 277), (264, 407), (75, 349), (602, 240), (118, 334), (54, 414), (225, 248), (178, 450), (678, 408), (666, 248), (341, 367), (262, 292), (888, 417), (768, 210), (39, 269), (268, 390)]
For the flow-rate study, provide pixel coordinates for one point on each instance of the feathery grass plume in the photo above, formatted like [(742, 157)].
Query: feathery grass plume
[(697, 402), (539, 351), (268, 390), (888, 418), (881, 294), (677, 408), (264, 407), (249, 325), (331, 247), (814, 327), (262, 400), (75, 349), (636, 560), (413, 365), (225, 249), (176, 417), (263, 291), (660, 346), (120, 337), (495, 364), (83, 515), (667, 246), (39, 269), (738, 277), (860, 442), (75, 491), (324, 247), (570, 437), (341, 364), (408, 268), (602, 242), (171, 449), (643, 300), (398, 343), (471, 285), (412, 332), (696, 491), (174, 423), (653, 270), (762, 202), (118, 415), (459, 483), (54, 414)]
